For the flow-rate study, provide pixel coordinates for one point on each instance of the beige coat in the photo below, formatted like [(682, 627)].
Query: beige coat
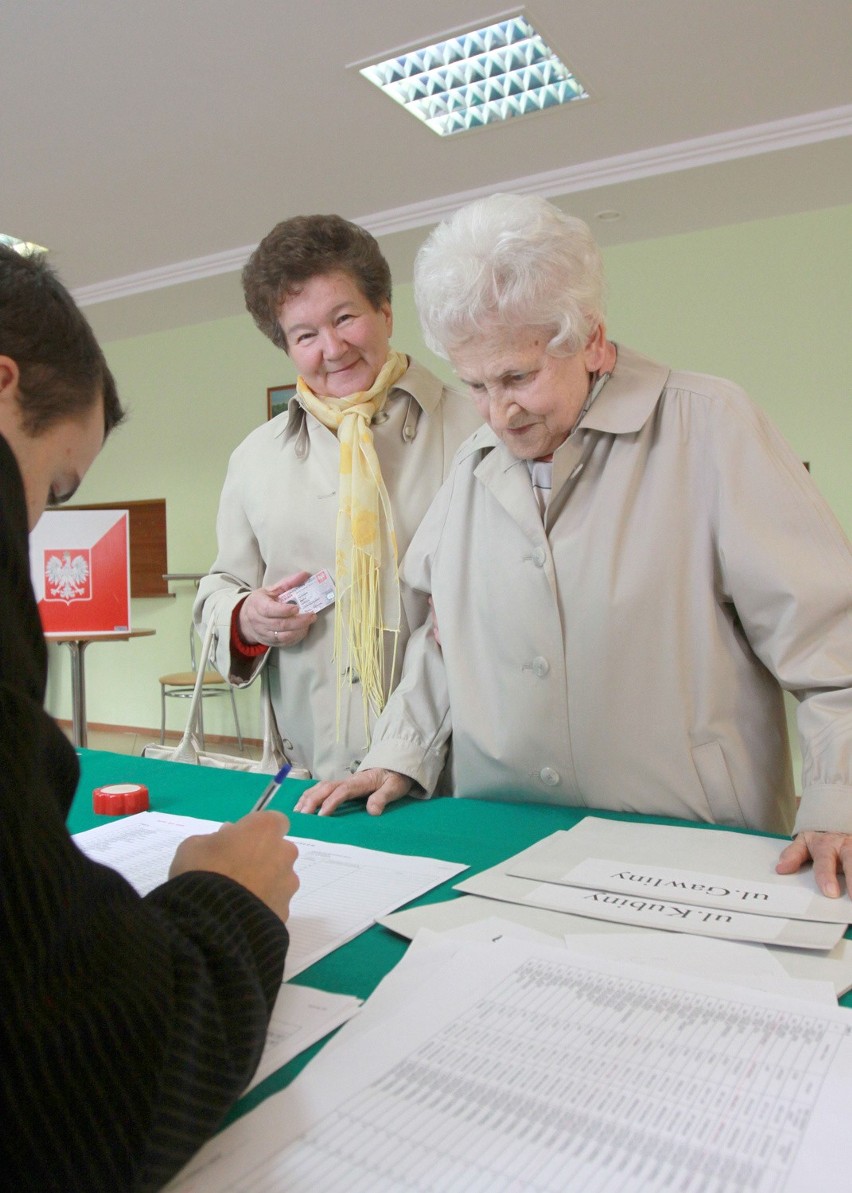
[(627, 653), (277, 515)]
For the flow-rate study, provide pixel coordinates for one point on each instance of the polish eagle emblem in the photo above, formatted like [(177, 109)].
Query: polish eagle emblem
[(67, 577)]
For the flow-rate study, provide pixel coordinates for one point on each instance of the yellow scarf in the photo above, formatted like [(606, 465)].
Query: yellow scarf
[(362, 502)]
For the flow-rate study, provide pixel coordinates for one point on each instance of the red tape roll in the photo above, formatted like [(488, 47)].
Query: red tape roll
[(120, 799)]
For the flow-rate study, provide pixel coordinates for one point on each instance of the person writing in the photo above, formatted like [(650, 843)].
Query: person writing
[(627, 564), (128, 1025), (339, 483)]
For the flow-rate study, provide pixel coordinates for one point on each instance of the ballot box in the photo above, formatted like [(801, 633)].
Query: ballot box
[(80, 569)]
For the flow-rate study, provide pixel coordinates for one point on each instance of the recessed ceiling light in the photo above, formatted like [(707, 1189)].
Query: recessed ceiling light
[(25, 247), (478, 77)]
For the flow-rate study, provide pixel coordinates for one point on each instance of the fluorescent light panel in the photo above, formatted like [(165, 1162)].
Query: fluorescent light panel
[(478, 78), (25, 247)]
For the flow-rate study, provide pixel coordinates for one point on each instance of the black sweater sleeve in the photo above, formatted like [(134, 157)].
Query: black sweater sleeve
[(128, 1026)]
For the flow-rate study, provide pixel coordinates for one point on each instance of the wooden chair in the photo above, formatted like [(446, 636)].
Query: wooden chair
[(181, 684)]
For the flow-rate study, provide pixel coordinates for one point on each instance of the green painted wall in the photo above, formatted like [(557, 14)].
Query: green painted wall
[(766, 304)]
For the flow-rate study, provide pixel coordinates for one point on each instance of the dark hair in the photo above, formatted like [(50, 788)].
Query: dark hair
[(304, 247), (62, 367)]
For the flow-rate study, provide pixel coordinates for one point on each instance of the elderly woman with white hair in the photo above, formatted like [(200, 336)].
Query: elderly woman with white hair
[(627, 566)]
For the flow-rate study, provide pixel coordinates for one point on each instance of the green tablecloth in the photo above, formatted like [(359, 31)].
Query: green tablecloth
[(477, 832)]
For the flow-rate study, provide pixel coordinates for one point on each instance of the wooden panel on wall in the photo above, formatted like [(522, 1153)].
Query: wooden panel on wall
[(147, 525)]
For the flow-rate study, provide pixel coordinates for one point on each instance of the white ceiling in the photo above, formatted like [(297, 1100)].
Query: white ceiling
[(151, 145)]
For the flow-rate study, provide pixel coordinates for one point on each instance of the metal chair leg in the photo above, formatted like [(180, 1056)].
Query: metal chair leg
[(236, 718), (162, 714)]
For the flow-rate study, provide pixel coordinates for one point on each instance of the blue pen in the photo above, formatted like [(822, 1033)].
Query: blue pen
[(272, 789)]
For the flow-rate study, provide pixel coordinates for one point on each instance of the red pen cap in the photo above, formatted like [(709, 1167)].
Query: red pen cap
[(120, 799)]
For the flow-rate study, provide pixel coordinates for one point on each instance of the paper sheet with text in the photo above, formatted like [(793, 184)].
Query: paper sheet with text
[(834, 966), (511, 1066), (711, 868), (343, 888)]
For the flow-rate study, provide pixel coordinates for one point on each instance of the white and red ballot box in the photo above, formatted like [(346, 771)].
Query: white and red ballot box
[(80, 569)]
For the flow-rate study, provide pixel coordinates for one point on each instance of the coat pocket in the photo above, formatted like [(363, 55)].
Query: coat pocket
[(715, 778)]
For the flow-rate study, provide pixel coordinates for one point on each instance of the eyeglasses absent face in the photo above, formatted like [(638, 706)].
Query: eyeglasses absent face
[(530, 398), (336, 338)]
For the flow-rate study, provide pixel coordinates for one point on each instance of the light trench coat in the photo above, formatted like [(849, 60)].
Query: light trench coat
[(626, 652), (278, 515)]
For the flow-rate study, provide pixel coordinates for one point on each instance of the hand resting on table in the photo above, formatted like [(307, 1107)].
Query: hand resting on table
[(378, 787), (830, 852)]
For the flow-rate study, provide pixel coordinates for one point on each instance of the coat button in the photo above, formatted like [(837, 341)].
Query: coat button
[(353, 765), (538, 557), (540, 667), (549, 776), (381, 417)]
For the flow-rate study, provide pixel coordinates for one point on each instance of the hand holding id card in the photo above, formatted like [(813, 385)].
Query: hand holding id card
[(316, 594)]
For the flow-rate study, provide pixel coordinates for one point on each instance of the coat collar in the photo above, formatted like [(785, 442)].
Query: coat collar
[(507, 478), (628, 399), (422, 385), (622, 407)]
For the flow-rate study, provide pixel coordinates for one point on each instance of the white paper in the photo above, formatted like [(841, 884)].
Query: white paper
[(736, 962), (343, 888), (834, 966), (428, 949), (497, 884), (428, 952), (684, 917), (518, 1067), (751, 965), (494, 928), (686, 886), (471, 909), (141, 847), (709, 867), (300, 1017)]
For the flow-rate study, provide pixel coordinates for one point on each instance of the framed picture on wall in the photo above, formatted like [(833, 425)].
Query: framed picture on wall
[(277, 397)]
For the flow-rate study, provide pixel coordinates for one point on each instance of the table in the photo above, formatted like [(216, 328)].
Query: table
[(476, 832), (77, 644)]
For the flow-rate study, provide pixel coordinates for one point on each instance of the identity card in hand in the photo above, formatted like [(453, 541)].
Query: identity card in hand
[(313, 596)]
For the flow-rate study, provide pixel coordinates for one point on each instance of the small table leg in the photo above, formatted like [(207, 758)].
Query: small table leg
[(78, 692)]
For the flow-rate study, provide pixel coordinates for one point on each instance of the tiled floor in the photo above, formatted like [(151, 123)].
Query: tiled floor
[(118, 742)]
